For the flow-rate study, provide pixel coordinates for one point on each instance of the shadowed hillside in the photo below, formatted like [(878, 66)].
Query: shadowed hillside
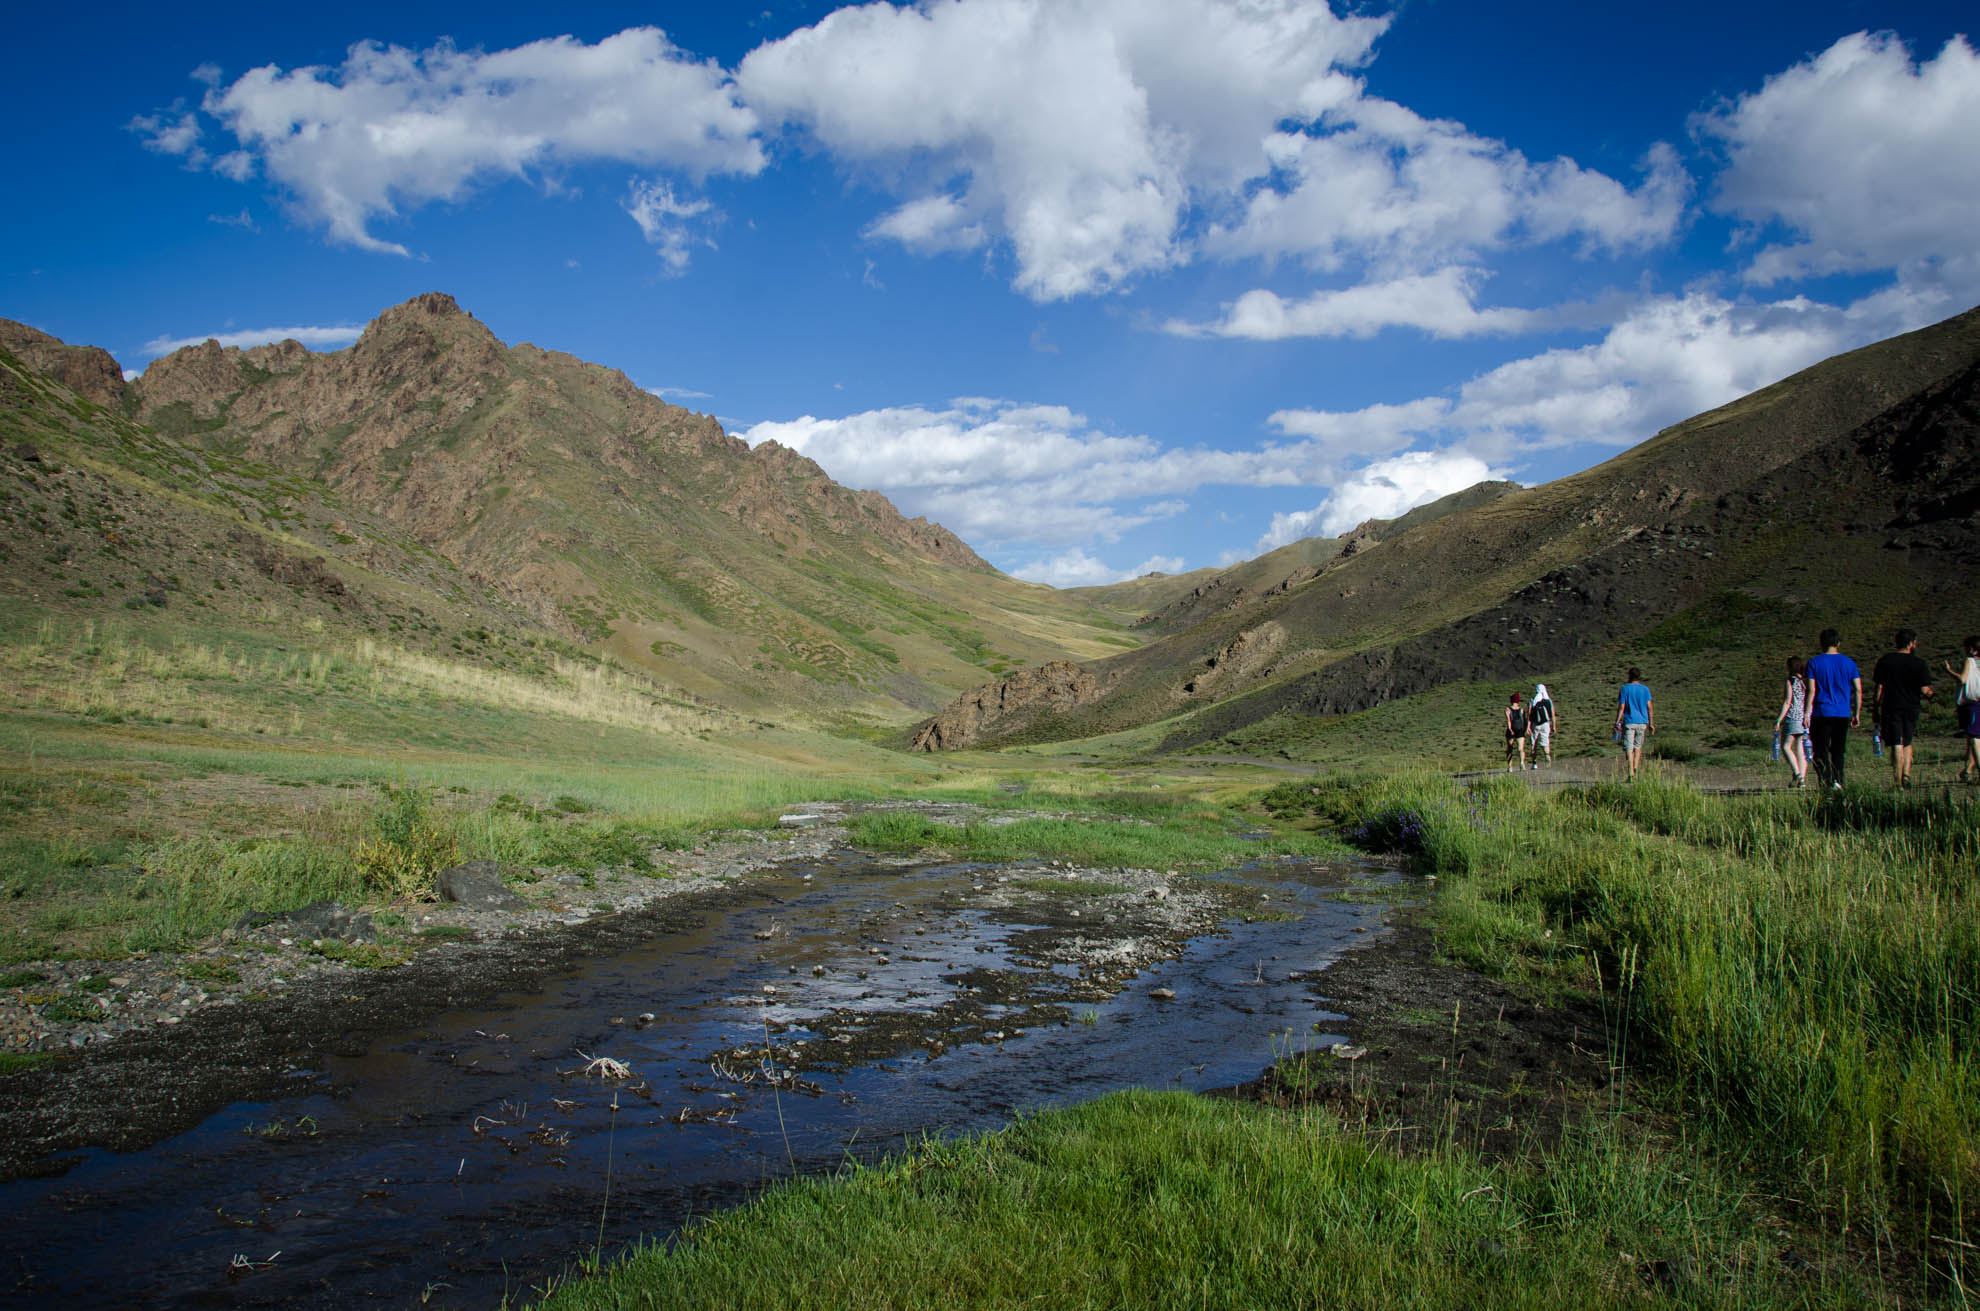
[(1757, 495)]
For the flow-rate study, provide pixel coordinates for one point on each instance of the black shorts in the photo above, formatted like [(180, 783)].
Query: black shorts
[(1898, 726)]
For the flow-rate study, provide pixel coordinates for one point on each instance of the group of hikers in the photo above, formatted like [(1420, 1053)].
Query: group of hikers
[(1824, 701), (1533, 722), (1530, 723)]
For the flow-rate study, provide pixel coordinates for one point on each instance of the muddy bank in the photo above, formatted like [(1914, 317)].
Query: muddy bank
[(1441, 1053)]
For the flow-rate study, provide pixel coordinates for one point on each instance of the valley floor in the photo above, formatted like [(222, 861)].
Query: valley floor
[(1625, 1045)]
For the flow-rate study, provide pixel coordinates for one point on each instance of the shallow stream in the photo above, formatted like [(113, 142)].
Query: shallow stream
[(847, 1007)]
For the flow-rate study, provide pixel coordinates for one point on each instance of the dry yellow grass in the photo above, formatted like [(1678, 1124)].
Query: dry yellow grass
[(86, 670)]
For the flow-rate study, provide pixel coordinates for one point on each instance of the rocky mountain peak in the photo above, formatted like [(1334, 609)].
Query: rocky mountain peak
[(432, 304)]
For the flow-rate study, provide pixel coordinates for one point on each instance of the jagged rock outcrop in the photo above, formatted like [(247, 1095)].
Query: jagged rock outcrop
[(1303, 574), (88, 371), (1249, 655), (1054, 685)]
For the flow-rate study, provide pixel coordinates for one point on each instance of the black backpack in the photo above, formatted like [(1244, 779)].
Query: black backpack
[(1543, 712), (1518, 722)]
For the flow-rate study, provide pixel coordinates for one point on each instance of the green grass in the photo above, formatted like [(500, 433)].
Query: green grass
[(1196, 839), (1801, 974), (17, 1062), (1168, 1200)]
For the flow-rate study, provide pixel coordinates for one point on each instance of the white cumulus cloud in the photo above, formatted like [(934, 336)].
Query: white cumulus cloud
[(1093, 136), (1382, 490), (1441, 304), (392, 128), (1864, 159), (1075, 568)]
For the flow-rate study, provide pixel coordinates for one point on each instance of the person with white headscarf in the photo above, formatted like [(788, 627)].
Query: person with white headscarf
[(1541, 718)]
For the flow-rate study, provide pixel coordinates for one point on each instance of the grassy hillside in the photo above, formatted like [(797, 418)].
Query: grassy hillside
[(1791, 495), (598, 514)]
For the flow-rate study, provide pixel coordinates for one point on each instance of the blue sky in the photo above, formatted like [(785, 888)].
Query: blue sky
[(1103, 285)]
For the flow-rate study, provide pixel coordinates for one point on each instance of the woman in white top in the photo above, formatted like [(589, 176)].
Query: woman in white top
[(1540, 721), (1968, 709)]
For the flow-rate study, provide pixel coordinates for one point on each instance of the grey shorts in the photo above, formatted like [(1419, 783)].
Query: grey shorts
[(1542, 735), (1792, 726), (1633, 735)]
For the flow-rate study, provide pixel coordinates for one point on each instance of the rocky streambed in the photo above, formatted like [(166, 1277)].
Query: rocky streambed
[(265, 1125)]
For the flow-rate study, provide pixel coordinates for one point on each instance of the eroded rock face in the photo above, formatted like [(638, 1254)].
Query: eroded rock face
[(1248, 655), (998, 707), (88, 371)]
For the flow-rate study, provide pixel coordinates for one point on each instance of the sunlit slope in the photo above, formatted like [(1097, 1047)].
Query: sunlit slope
[(622, 523)]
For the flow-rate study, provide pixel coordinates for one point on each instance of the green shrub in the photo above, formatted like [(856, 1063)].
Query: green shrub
[(409, 848)]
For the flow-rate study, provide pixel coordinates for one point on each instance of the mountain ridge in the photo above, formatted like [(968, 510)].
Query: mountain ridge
[(608, 517), (1444, 599)]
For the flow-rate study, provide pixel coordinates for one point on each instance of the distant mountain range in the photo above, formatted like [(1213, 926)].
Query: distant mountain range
[(432, 487)]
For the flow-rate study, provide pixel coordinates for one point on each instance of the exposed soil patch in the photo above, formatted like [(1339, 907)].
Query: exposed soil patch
[(1446, 1054)]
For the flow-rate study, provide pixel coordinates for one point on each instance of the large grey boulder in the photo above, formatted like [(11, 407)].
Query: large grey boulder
[(478, 884)]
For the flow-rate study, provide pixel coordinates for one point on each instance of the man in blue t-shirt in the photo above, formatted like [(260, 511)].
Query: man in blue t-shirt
[(1835, 691), (1636, 716)]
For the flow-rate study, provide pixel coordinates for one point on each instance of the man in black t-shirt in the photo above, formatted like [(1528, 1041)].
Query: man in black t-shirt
[(1903, 682)]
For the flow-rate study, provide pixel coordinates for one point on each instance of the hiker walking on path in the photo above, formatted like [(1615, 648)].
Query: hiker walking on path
[(1541, 719), (1903, 682), (1967, 708), (1792, 722), (1636, 718), (1515, 734), (1836, 692)]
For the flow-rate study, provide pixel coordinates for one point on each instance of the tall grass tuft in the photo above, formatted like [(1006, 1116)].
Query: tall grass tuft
[(1808, 975), (409, 847)]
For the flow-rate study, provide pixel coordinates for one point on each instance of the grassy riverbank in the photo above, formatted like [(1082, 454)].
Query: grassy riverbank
[(1799, 976), (1171, 1200), (1790, 991)]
